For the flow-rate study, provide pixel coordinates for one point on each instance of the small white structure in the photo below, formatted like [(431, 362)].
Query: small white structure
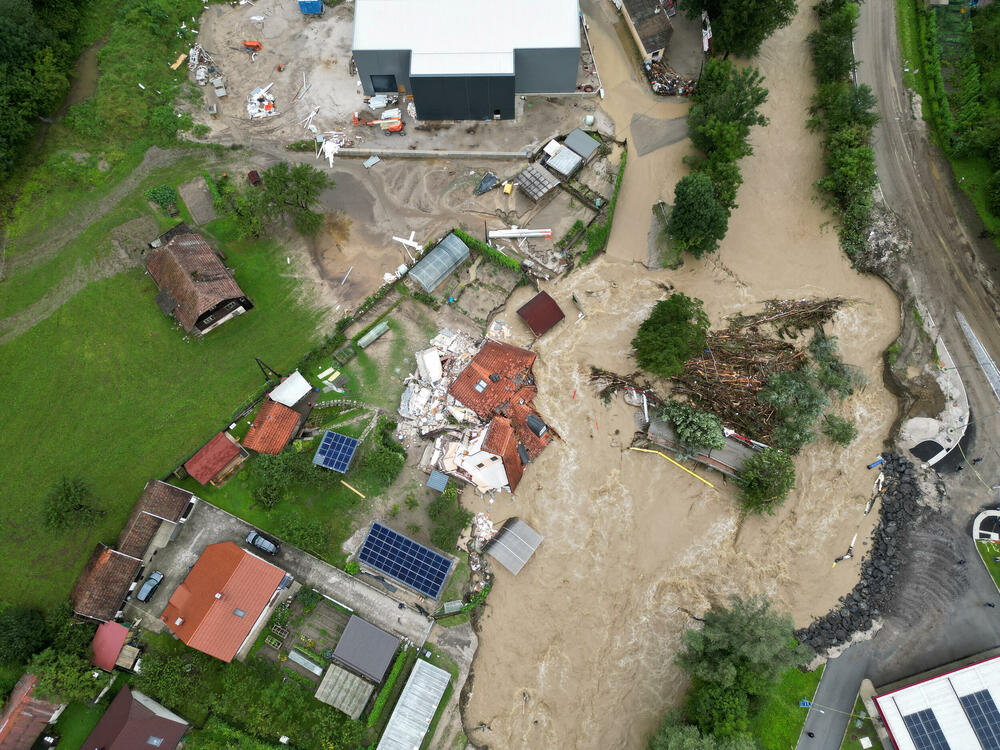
[(484, 468), (429, 365), (291, 390), (415, 709)]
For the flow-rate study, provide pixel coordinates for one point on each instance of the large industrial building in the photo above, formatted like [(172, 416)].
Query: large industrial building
[(466, 59)]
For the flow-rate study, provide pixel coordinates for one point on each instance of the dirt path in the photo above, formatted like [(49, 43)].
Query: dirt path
[(577, 650)]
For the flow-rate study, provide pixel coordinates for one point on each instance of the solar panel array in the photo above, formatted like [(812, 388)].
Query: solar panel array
[(984, 717), (404, 560), (925, 731), (335, 451)]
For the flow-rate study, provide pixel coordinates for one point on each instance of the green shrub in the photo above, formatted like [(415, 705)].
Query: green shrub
[(200, 130), (598, 234), (839, 430), (301, 146), (674, 331), (384, 693), (352, 568), (70, 505), (832, 372), (162, 195), (494, 256), (798, 402), (448, 517), (309, 598), (695, 429), (765, 480)]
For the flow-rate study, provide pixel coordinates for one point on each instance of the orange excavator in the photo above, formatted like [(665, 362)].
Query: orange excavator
[(389, 126)]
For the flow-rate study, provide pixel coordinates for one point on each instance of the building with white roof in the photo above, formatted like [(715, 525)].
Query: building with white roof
[(956, 710), (466, 59)]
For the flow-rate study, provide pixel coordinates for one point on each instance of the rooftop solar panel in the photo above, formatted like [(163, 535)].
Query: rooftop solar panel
[(404, 560), (335, 451), (984, 717), (925, 731)]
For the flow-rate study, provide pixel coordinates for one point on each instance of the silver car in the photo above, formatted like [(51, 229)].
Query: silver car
[(149, 587)]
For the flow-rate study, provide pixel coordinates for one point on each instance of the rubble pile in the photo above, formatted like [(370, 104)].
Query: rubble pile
[(260, 103), (666, 82), (425, 405), (887, 238), (873, 593)]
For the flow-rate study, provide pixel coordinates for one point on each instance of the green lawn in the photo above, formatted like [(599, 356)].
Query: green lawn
[(77, 722), (987, 551), (778, 722), (852, 738), (108, 389)]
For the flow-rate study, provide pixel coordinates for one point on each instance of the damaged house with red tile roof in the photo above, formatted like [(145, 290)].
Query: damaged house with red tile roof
[(195, 286), (489, 392)]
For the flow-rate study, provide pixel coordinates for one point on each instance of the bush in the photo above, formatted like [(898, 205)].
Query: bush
[(162, 195), (695, 429), (275, 475), (448, 517), (798, 402), (63, 677), (673, 332), (841, 431), (309, 599), (597, 234), (765, 480), (70, 505), (386, 690), (832, 373), (491, 254), (352, 568)]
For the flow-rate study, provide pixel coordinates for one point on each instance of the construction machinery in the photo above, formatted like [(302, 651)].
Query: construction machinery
[(389, 125)]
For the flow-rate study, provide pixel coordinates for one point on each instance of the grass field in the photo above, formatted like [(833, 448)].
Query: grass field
[(852, 738), (108, 389), (987, 551), (778, 722), (77, 722)]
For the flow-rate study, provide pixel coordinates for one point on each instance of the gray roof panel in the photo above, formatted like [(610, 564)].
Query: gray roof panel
[(514, 545), (415, 709), (582, 143), (440, 262), (366, 648)]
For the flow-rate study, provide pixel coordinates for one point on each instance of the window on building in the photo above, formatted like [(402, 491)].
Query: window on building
[(239, 613), (155, 741), (481, 386)]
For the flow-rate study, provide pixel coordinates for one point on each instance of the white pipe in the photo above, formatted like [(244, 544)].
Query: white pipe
[(517, 233)]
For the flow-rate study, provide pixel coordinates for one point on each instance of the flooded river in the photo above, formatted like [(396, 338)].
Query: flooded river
[(576, 652)]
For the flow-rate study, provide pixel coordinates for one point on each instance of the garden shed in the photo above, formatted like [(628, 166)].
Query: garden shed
[(514, 545), (582, 143), (440, 262), (415, 708), (345, 691), (366, 649)]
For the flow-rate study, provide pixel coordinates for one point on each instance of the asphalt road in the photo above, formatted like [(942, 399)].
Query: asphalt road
[(939, 615)]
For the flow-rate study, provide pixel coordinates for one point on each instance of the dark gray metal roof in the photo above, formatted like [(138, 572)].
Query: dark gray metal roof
[(581, 142), (440, 262), (514, 545), (415, 708), (437, 481), (366, 648)]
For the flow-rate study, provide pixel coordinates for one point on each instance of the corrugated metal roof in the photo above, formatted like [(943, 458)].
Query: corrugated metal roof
[(582, 143), (440, 262), (466, 26), (415, 708), (514, 545), (345, 691), (565, 162), (366, 648), (437, 481)]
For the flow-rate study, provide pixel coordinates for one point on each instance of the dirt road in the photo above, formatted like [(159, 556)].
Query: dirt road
[(577, 650)]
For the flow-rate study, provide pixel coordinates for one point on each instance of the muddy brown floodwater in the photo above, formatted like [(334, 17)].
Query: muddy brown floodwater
[(576, 652)]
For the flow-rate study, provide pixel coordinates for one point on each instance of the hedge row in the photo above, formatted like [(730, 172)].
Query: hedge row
[(383, 695), (598, 233), (491, 254), (935, 104)]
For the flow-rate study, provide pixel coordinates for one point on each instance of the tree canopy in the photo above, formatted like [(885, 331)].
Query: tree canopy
[(23, 631), (765, 480), (698, 221), (673, 332), (695, 429), (798, 401), (63, 677), (740, 28), (286, 191), (70, 505), (674, 734)]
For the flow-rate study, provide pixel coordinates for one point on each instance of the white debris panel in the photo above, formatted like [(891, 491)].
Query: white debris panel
[(425, 404)]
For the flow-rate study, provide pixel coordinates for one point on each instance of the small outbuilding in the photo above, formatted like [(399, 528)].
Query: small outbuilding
[(273, 428), (107, 646), (541, 313), (195, 287), (345, 691), (582, 143), (291, 390), (513, 545), (415, 709), (366, 649), (216, 460), (565, 162), (649, 25), (440, 263)]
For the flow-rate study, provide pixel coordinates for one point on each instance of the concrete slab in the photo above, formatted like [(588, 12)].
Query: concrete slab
[(652, 133), (198, 199)]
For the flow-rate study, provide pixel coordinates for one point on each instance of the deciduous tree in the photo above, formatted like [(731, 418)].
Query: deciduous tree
[(23, 631), (765, 480), (697, 430), (673, 332), (698, 221), (739, 28)]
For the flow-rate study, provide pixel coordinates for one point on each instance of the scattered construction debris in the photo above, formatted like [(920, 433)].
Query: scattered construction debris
[(667, 82), (260, 103)]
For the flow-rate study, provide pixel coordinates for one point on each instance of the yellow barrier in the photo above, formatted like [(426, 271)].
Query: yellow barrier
[(664, 455)]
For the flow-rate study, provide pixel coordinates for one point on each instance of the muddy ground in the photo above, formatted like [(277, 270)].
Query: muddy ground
[(589, 628)]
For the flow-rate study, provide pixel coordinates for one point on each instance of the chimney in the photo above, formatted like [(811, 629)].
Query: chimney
[(218, 596), (179, 621)]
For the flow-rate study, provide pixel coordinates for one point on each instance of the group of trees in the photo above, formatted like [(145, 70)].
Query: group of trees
[(674, 331), (845, 113), (741, 28), (286, 191), (733, 662), (978, 130), (725, 106)]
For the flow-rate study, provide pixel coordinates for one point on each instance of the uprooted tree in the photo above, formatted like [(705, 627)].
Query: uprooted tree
[(765, 480), (285, 191), (696, 430), (673, 332)]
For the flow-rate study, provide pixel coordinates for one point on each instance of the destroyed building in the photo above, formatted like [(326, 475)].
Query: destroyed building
[(477, 404)]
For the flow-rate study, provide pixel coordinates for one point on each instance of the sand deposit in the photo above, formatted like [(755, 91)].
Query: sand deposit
[(577, 650)]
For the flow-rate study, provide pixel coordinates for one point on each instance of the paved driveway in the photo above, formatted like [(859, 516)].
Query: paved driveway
[(208, 524)]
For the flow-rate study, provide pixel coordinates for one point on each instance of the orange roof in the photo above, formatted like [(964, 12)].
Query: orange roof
[(214, 625), (212, 457), (25, 716), (502, 372), (274, 425), (500, 440)]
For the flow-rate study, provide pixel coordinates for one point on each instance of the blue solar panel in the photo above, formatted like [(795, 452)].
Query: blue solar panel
[(335, 451), (925, 731), (403, 560), (984, 717)]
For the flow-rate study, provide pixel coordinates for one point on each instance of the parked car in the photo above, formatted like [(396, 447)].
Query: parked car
[(149, 587), (262, 543)]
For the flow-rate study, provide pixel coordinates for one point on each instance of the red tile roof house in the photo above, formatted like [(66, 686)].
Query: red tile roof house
[(195, 287), (273, 428), (223, 600), (134, 721), (216, 460), (498, 383), (101, 589), (25, 716), (161, 506)]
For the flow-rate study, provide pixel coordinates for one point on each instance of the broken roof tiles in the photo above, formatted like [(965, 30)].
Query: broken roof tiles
[(494, 376)]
